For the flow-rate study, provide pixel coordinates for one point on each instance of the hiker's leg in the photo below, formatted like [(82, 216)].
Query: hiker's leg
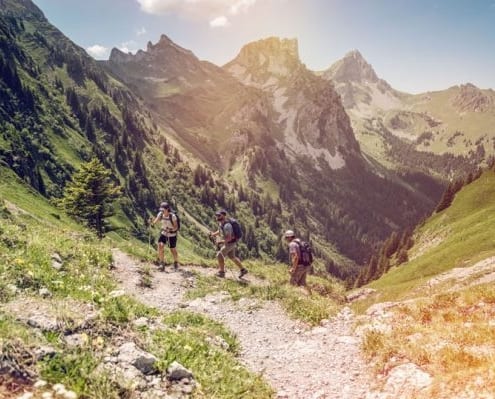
[(221, 259), (160, 251), (304, 282), (172, 243), (175, 255), (237, 261)]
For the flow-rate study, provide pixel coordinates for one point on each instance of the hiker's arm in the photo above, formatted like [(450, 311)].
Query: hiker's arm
[(228, 232), (214, 233), (156, 219), (294, 261)]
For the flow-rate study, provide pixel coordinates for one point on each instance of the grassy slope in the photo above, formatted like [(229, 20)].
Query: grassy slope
[(448, 333), (31, 230), (465, 230)]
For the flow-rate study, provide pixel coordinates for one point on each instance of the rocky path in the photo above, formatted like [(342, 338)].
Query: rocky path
[(298, 361)]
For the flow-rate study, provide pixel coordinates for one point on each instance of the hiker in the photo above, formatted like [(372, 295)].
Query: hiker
[(228, 244), (168, 233), (298, 269)]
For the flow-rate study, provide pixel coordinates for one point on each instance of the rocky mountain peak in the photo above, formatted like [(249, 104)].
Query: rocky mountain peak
[(120, 57), (272, 56), (471, 98), (353, 67), (20, 7)]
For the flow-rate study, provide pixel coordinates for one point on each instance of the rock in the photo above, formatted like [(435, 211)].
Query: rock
[(70, 395), (44, 351), (44, 293), (56, 265), (218, 341), (143, 361), (116, 293), (177, 372), (141, 322), (12, 289), (39, 384), (56, 257), (76, 340), (57, 262), (403, 381), (360, 294)]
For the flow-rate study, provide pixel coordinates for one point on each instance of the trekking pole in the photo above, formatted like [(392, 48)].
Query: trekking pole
[(149, 237)]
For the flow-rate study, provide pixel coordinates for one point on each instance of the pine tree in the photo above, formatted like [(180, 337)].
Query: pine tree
[(402, 256), (89, 195), (447, 198)]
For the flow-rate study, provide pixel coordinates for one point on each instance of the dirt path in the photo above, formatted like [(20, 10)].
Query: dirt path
[(299, 362)]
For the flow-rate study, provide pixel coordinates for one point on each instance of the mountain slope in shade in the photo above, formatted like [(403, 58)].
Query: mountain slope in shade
[(269, 123), (442, 132)]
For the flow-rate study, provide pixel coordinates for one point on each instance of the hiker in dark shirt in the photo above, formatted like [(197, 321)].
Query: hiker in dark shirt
[(228, 244), (298, 271)]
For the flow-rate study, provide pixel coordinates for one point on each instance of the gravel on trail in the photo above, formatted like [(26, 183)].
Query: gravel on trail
[(298, 361)]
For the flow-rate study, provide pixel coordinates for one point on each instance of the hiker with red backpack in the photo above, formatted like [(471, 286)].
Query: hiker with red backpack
[(300, 260), (168, 234), (231, 233)]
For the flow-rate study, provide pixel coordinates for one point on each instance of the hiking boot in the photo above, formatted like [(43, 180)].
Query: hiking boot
[(176, 265), (243, 272), (220, 274), (162, 266)]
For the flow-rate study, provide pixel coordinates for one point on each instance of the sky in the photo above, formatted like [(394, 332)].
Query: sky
[(415, 45)]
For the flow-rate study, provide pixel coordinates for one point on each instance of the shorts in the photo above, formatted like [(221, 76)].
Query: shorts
[(170, 242), (227, 250), (298, 278)]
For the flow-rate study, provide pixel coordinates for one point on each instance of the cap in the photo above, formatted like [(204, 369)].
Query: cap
[(164, 205), (289, 233), (221, 212)]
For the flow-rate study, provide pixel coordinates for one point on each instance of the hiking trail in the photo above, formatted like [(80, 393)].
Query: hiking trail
[(322, 362)]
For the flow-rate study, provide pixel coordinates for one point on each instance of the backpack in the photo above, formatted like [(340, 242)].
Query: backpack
[(305, 251), (236, 228), (178, 219)]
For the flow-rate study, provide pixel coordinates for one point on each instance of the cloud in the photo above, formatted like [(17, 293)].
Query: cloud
[(241, 6), (128, 47), (141, 32), (215, 11), (97, 51), (219, 22)]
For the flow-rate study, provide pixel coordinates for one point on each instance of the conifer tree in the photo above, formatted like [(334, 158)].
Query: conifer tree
[(447, 198), (402, 256), (88, 197)]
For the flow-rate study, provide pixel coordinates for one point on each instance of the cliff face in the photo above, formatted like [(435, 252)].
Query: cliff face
[(309, 111)]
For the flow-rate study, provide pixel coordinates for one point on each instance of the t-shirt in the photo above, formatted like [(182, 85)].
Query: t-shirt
[(227, 230), (168, 229), (294, 249)]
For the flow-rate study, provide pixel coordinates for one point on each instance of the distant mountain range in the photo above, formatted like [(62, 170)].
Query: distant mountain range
[(399, 128), (279, 145), (267, 121)]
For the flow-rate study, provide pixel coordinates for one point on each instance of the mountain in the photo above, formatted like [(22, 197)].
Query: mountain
[(359, 86), (170, 126), (269, 124), (59, 109), (310, 113), (442, 133)]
